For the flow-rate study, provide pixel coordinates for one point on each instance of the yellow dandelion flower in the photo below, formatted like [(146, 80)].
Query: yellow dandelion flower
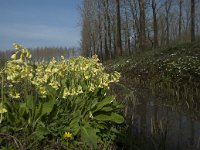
[(67, 135)]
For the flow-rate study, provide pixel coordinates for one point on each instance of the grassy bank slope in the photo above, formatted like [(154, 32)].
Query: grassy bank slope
[(178, 64)]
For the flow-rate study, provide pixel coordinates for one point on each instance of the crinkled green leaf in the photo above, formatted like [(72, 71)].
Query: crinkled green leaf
[(88, 135), (114, 117)]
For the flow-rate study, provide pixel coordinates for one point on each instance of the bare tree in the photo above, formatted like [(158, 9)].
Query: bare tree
[(135, 22), (192, 20), (105, 4), (127, 33), (118, 36), (180, 18), (155, 26), (86, 28), (142, 31), (168, 4), (100, 43), (113, 28)]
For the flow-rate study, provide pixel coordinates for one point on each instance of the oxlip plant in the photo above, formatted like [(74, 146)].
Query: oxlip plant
[(58, 104)]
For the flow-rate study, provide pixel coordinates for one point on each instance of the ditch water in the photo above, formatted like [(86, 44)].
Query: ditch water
[(159, 120)]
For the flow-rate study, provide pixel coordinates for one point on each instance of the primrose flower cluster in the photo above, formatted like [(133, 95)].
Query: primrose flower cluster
[(18, 69), (67, 77)]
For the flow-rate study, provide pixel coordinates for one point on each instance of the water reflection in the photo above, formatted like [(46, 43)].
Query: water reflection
[(160, 122)]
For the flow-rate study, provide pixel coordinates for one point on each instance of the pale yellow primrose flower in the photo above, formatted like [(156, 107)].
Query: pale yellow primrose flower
[(2, 109), (87, 74), (14, 94)]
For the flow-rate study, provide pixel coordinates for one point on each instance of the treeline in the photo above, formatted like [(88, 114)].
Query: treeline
[(112, 28), (47, 53), (43, 53)]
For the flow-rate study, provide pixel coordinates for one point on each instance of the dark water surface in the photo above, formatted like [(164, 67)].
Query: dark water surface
[(158, 120)]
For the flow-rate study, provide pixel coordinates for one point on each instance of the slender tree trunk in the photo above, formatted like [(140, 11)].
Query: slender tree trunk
[(114, 40), (93, 47), (118, 36), (109, 35), (142, 33), (155, 26), (128, 45), (106, 29), (180, 19), (168, 4), (101, 47), (99, 29), (167, 8), (192, 20), (135, 24)]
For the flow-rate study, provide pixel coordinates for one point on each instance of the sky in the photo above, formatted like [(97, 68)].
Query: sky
[(39, 23)]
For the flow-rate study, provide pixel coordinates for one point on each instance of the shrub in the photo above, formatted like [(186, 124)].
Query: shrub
[(61, 103)]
